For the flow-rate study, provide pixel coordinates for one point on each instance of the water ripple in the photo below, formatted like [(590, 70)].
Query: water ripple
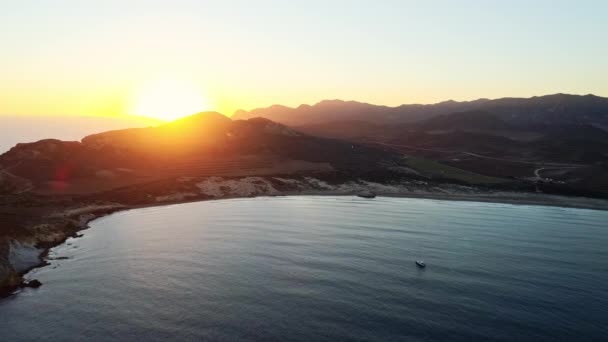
[(324, 268)]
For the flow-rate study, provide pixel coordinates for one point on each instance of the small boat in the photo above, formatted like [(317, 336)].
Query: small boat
[(366, 194), (420, 264)]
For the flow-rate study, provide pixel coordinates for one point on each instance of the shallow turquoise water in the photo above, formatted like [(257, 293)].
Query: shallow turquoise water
[(324, 268)]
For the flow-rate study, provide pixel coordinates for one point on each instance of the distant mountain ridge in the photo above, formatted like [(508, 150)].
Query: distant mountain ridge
[(554, 109)]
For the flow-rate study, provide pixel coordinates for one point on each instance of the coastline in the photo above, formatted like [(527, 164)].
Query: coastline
[(254, 187)]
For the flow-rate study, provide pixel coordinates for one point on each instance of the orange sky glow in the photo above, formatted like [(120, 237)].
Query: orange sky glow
[(168, 59)]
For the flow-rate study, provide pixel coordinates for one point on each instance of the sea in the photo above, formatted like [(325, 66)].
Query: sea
[(323, 268)]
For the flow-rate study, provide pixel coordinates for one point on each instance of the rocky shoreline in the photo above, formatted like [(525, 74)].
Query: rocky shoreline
[(20, 254)]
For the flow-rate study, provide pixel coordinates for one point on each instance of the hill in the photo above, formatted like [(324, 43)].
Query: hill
[(557, 138), (474, 120), (205, 143)]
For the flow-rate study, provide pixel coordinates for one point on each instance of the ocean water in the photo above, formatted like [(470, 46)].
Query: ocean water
[(324, 269)]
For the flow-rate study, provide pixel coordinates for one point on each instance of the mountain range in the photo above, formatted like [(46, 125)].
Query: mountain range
[(555, 137), (547, 110), (561, 137)]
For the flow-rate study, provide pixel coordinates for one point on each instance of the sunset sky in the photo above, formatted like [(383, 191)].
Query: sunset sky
[(149, 57)]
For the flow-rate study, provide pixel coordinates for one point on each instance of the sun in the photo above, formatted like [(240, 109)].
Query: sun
[(168, 100)]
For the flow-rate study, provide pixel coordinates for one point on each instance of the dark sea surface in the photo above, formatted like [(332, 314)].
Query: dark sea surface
[(324, 268)]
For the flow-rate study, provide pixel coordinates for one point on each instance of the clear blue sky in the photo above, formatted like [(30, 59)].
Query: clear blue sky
[(90, 57)]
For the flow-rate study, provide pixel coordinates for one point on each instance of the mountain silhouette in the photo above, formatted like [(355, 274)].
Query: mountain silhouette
[(550, 109)]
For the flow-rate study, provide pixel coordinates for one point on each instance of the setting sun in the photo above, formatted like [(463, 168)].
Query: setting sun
[(168, 100)]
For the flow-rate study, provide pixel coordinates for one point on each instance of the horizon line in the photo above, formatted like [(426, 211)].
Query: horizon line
[(230, 115)]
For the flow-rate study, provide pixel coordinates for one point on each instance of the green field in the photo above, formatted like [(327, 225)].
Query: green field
[(432, 169)]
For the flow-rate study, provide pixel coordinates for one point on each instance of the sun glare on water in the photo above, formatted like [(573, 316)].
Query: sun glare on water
[(168, 100)]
